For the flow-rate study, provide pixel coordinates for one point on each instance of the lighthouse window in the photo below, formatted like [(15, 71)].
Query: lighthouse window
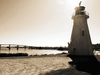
[(82, 32)]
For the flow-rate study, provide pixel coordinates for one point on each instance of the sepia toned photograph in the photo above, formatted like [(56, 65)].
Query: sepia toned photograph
[(49, 37)]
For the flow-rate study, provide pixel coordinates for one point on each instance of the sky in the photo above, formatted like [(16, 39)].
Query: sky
[(44, 22)]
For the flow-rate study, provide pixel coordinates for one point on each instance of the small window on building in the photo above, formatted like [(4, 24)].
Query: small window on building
[(74, 48), (82, 32)]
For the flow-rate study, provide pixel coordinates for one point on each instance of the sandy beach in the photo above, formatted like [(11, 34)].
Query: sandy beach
[(45, 65)]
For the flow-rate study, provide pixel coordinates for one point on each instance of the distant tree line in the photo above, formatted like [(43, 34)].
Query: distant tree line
[(58, 48), (95, 46)]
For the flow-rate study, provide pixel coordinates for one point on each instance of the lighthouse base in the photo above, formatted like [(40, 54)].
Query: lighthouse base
[(88, 64), (82, 58)]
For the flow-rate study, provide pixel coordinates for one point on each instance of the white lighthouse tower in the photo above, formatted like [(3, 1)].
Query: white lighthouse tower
[(80, 43)]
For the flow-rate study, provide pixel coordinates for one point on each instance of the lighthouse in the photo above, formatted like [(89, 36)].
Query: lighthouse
[(80, 43)]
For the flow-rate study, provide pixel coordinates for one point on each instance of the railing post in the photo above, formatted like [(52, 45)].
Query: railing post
[(17, 48), (9, 48), (0, 48), (25, 48)]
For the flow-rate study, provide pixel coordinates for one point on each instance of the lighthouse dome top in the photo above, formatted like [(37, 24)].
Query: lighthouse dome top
[(80, 10)]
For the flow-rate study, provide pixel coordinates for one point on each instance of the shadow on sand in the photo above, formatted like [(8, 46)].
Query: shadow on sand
[(80, 66), (87, 64)]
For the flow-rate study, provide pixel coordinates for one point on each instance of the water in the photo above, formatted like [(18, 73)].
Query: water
[(31, 51)]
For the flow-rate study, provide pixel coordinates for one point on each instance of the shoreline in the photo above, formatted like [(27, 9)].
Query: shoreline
[(36, 56)]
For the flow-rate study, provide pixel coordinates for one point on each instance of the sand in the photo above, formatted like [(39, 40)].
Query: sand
[(45, 65)]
